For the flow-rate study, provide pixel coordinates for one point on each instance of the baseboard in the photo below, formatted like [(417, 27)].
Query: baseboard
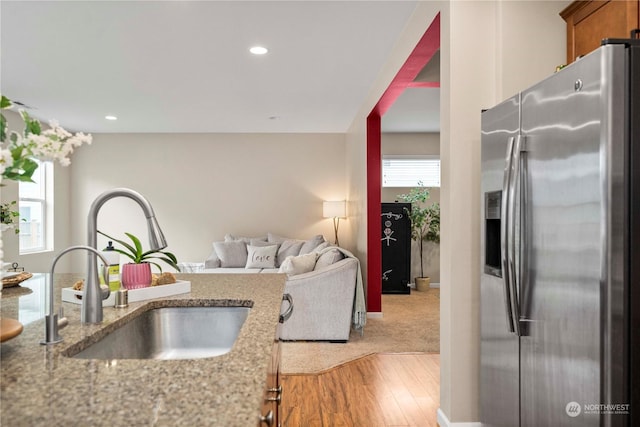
[(443, 421), (374, 315)]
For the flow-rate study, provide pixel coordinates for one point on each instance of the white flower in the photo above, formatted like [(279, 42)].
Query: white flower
[(54, 143), (5, 160)]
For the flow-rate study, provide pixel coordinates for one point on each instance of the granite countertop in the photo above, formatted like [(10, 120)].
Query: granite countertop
[(41, 386)]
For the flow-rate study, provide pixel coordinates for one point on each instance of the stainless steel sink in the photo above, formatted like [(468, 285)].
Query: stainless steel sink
[(172, 333)]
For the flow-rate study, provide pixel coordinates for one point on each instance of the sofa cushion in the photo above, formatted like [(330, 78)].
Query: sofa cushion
[(288, 248), (300, 264), (247, 240), (231, 254), (261, 256), (327, 258), (311, 244)]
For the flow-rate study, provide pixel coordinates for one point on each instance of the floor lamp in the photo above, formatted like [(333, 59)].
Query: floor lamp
[(335, 210)]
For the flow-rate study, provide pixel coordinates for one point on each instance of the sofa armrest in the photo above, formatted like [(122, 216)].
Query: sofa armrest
[(323, 303)]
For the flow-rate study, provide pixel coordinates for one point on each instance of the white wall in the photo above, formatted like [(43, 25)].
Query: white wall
[(203, 186), (425, 144), (489, 50)]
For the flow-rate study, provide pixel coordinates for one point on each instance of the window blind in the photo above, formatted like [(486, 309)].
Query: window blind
[(407, 171)]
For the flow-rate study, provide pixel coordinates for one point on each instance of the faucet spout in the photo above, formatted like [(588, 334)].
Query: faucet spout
[(52, 323), (92, 303)]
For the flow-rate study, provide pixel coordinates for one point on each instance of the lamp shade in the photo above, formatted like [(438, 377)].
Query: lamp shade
[(334, 209)]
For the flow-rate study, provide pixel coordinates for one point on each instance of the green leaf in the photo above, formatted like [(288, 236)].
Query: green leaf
[(3, 128), (138, 246), (5, 102), (32, 126), (132, 252)]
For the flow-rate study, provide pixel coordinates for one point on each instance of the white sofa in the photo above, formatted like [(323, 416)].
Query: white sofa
[(321, 278)]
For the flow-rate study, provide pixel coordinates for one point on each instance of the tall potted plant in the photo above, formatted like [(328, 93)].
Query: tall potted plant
[(425, 225), (137, 274)]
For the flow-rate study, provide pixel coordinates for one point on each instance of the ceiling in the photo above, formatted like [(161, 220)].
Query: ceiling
[(184, 66)]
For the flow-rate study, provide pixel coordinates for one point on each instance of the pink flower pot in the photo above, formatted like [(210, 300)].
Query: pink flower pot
[(135, 276)]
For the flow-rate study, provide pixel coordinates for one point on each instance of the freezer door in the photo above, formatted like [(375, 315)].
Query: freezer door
[(499, 352), (574, 208)]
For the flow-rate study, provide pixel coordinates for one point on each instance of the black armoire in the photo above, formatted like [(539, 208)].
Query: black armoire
[(396, 248)]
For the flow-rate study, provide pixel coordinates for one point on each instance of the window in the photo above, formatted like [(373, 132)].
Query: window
[(36, 211), (407, 171)]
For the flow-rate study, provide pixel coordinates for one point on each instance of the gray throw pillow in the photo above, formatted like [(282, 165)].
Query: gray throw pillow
[(231, 254), (273, 238), (288, 248), (321, 246), (329, 257), (311, 244), (247, 240)]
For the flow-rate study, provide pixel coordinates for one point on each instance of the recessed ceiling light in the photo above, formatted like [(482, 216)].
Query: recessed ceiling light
[(258, 50), (111, 117)]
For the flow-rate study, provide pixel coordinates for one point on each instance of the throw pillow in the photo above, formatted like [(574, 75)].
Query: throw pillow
[(261, 256), (311, 244), (247, 240), (321, 246), (212, 260), (298, 264), (257, 242), (329, 257), (231, 254), (288, 248), (276, 239)]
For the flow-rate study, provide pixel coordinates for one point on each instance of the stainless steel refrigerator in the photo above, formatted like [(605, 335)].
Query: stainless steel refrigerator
[(561, 247)]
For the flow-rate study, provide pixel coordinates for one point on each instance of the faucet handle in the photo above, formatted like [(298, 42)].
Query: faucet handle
[(105, 291), (61, 320)]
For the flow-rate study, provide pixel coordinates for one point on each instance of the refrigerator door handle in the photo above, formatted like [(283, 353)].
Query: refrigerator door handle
[(504, 234), (513, 244)]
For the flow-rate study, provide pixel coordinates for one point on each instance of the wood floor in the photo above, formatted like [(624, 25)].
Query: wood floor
[(377, 390)]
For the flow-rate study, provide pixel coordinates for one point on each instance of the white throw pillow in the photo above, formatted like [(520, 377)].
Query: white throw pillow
[(231, 254), (261, 256), (293, 265), (212, 260)]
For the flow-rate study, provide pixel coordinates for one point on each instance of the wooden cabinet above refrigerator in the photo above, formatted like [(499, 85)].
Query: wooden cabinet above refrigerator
[(588, 22)]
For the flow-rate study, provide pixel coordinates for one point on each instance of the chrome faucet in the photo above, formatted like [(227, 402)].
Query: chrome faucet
[(91, 299), (52, 324)]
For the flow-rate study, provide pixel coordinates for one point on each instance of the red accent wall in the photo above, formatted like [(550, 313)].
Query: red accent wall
[(374, 210), (419, 57)]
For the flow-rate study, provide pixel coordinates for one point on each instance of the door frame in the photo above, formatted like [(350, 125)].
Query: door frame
[(426, 47)]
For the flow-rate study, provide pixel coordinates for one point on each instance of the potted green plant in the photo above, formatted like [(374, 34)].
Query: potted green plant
[(425, 225), (137, 274)]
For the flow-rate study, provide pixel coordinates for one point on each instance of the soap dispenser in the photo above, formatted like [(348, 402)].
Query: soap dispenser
[(113, 257)]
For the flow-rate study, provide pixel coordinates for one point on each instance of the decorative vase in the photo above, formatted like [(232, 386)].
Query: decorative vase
[(422, 283), (135, 276)]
